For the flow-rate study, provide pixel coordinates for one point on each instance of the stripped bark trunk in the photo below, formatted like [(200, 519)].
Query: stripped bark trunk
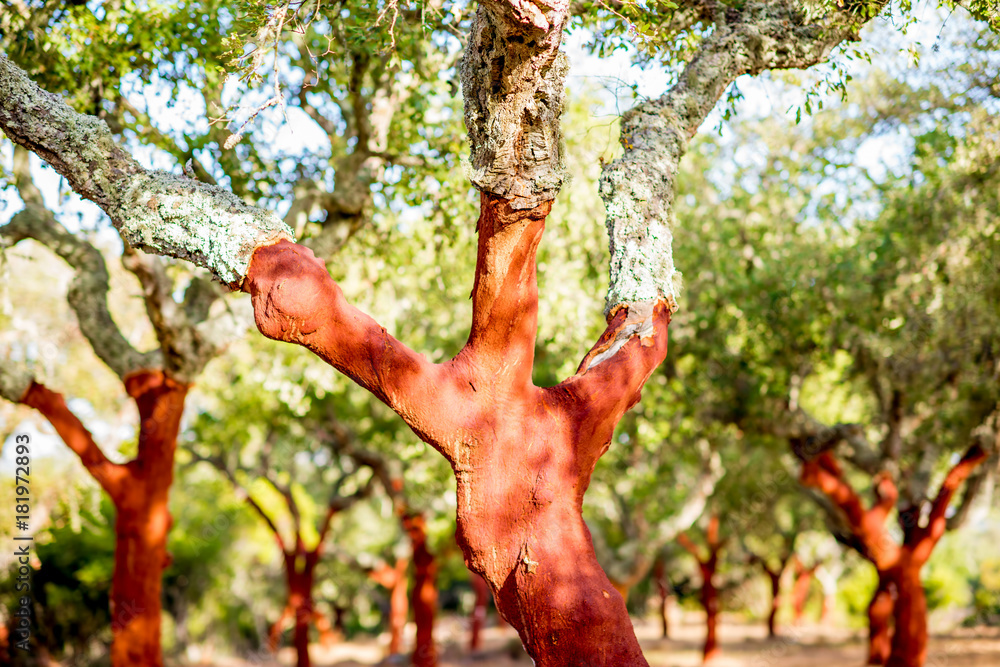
[(425, 592), (139, 491), (898, 610), (709, 594), (394, 580), (909, 637), (300, 578), (663, 588), (800, 589), (880, 611), (772, 616)]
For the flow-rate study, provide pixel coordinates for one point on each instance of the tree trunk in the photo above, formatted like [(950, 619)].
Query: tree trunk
[(663, 587), (425, 593), (880, 611), (399, 608), (909, 638), (482, 591), (142, 522), (775, 578), (800, 591), (393, 579), (710, 600), (300, 572), (135, 586), (303, 616)]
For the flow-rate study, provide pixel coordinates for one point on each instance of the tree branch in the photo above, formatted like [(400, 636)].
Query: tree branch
[(153, 210), (241, 491), (638, 189), (111, 476), (867, 526), (296, 300), (925, 538)]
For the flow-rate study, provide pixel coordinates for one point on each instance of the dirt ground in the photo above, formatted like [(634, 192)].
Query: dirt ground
[(743, 645)]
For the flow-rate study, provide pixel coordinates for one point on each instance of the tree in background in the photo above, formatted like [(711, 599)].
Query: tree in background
[(888, 360), (708, 564), (189, 332), (512, 76), (643, 497)]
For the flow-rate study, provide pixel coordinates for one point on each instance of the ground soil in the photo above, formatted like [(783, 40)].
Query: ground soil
[(743, 645)]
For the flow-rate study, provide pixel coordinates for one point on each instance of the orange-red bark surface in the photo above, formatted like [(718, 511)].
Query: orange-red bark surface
[(522, 455), (140, 491), (709, 595)]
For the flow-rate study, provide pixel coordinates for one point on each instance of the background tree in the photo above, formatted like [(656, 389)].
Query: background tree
[(894, 320)]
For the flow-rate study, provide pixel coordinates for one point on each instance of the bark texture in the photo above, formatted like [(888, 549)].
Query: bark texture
[(425, 592), (155, 210), (513, 81), (638, 188)]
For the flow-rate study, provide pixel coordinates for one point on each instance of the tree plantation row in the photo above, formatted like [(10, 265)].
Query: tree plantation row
[(460, 393)]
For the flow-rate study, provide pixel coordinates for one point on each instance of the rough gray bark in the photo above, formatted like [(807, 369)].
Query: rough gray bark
[(15, 380), (513, 82), (638, 188), (155, 210)]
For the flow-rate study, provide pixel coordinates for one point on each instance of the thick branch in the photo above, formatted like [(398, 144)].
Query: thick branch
[(690, 547), (638, 188), (505, 294), (111, 476), (296, 300), (927, 537), (867, 526), (613, 373), (157, 211)]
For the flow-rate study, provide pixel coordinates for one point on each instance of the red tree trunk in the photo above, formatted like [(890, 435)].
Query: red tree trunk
[(800, 590), (880, 611), (709, 593), (393, 579), (140, 492), (522, 470), (302, 617), (300, 577), (482, 591), (425, 593), (909, 638), (710, 600), (663, 587), (772, 617)]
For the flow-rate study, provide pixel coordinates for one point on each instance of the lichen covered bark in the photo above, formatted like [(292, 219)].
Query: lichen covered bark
[(158, 211), (513, 82), (638, 189)]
